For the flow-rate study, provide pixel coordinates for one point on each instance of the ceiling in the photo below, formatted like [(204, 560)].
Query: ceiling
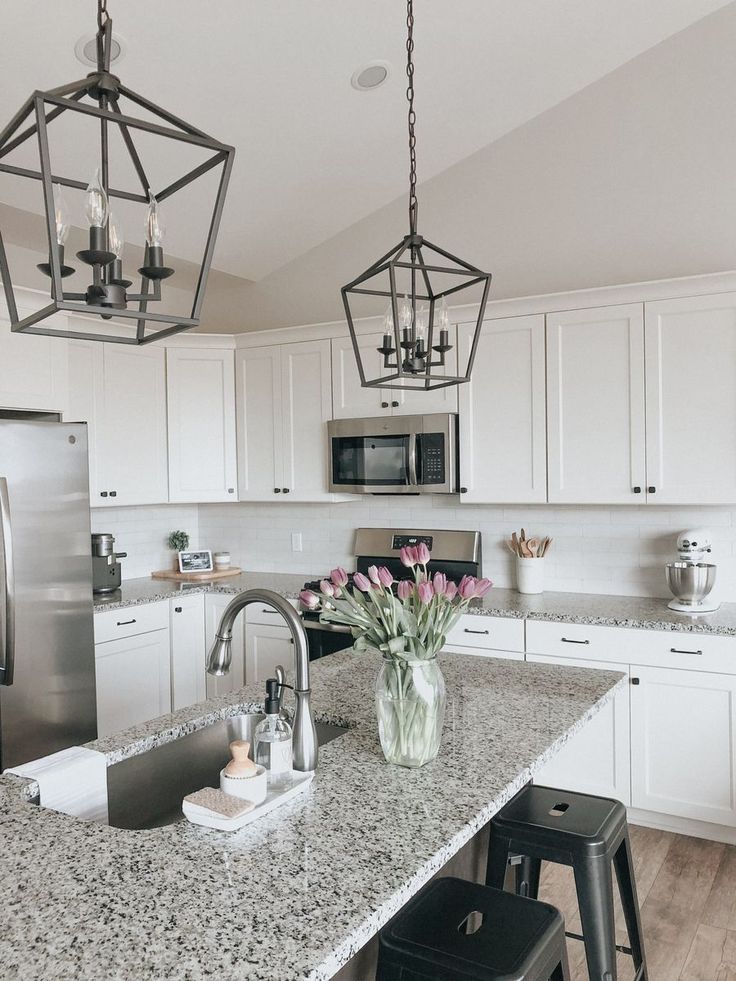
[(314, 156)]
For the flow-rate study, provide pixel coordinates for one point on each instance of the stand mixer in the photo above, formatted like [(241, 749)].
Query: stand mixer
[(691, 579)]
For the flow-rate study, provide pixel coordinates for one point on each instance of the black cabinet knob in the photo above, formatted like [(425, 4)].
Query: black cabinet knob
[(113, 493), (637, 490), (651, 490), (103, 493), (285, 490), (384, 405), (635, 681), (177, 609), (395, 405), (463, 490), (277, 490)]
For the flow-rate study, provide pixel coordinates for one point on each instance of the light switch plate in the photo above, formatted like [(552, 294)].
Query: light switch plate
[(296, 541)]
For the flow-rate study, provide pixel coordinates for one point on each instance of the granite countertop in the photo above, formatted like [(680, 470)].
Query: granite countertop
[(642, 613), (295, 895)]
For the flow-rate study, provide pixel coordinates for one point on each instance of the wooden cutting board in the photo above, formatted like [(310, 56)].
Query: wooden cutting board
[(196, 576)]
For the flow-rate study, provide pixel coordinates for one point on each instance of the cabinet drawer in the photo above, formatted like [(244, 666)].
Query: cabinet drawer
[(694, 652), (261, 613), (488, 633), (131, 620)]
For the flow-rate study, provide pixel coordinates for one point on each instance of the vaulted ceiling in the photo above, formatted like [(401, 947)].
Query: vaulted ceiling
[(506, 92)]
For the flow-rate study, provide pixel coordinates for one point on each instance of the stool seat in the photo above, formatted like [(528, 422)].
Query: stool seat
[(583, 824), (453, 929)]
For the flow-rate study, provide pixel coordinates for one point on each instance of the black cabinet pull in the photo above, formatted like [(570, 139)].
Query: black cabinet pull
[(277, 490), (467, 630), (635, 681), (285, 490), (177, 609), (395, 405), (384, 405), (651, 490), (637, 490), (124, 623), (103, 493), (113, 493), (675, 650), (568, 640), (463, 490), (231, 490)]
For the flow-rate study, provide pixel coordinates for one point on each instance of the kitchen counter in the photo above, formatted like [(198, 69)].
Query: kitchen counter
[(642, 613), (295, 895)]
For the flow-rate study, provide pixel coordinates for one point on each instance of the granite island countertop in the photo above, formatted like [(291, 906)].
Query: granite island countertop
[(295, 895), (643, 613)]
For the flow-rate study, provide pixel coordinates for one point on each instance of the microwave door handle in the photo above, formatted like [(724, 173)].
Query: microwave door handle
[(413, 460), (7, 584)]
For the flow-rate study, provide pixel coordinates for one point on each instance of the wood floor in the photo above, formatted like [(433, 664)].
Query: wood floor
[(687, 895)]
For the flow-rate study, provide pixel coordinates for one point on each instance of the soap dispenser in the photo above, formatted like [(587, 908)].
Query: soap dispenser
[(273, 740)]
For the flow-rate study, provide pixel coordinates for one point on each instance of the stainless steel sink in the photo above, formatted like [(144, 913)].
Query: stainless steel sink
[(146, 791)]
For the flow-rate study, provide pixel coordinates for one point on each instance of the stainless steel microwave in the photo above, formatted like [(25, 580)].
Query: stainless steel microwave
[(394, 455)]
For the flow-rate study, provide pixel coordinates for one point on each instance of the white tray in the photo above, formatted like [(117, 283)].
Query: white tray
[(274, 799)]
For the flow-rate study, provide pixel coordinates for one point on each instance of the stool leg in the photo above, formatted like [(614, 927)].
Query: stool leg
[(498, 856), (624, 866), (527, 877), (594, 885)]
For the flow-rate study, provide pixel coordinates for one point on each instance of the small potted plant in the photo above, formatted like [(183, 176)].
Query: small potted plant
[(179, 542)]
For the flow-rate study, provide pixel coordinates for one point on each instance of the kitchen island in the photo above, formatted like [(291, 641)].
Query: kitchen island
[(297, 894)]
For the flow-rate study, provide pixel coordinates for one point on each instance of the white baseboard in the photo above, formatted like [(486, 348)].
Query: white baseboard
[(682, 826)]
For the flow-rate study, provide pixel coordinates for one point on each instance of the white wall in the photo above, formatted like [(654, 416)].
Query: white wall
[(142, 533), (596, 549)]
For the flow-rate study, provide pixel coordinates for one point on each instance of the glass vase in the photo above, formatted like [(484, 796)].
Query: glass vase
[(410, 704)]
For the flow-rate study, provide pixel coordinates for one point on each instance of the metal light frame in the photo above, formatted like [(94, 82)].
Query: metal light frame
[(106, 90), (414, 362)]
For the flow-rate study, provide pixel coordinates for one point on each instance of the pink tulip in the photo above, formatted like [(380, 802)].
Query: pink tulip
[(405, 589), (339, 576), (451, 590), (373, 574), (426, 592), (423, 554), (309, 599), (409, 556), (362, 582), (439, 582), (466, 587), (482, 587), (385, 577), (327, 588)]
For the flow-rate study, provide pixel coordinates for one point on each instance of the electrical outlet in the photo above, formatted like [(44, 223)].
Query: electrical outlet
[(296, 541)]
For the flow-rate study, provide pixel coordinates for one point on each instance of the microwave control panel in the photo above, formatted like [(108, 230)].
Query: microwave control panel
[(432, 453)]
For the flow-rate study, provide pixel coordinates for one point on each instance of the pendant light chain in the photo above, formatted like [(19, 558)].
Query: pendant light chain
[(412, 117), (102, 15)]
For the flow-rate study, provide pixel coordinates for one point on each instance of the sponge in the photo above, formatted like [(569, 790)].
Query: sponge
[(218, 802)]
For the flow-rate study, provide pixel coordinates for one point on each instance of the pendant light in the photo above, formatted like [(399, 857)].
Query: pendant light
[(105, 103), (416, 277)]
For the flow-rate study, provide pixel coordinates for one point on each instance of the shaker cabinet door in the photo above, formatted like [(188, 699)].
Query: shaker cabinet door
[(188, 651), (502, 422), (201, 402), (260, 423), (306, 410), (349, 399), (265, 647), (595, 406), (133, 681)]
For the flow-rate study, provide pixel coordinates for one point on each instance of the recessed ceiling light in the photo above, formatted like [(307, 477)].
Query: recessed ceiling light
[(86, 49), (370, 76)]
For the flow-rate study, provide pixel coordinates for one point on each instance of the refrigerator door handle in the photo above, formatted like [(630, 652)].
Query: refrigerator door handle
[(7, 583)]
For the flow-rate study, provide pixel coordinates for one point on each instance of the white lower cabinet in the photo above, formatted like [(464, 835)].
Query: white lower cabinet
[(266, 646), (188, 651), (487, 636), (595, 760), (683, 737), (214, 607), (133, 680)]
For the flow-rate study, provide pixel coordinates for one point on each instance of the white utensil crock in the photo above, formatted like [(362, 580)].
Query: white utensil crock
[(530, 575)]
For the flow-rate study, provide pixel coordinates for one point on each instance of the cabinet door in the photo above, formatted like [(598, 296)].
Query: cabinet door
[(260, 423), (131, 439), (307, 405), (200, 386), (33, 368), (596, 760), (188, 651), (691, 400), (214, 607), (595, 406), (265, 647), (133, 681), (683, 733), (502, 424), (86, 394), (349, 399), (417, 403)]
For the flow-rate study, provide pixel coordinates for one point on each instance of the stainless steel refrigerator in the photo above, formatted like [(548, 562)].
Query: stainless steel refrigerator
[(47, 661)]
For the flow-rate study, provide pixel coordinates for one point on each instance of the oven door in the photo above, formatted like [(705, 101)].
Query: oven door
[(326, 639)]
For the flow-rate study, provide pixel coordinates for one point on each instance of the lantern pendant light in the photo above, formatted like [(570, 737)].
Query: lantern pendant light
[(106, 289), (416, 277)]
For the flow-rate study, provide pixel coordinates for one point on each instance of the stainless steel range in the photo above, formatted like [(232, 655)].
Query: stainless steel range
[(456, 553)]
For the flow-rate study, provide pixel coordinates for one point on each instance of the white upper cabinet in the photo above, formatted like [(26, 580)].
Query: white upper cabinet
[(502, 422), (595, 406), (691, 400), (33, 370), (283, 397), (351, 401), (120, 391), (201, 402)]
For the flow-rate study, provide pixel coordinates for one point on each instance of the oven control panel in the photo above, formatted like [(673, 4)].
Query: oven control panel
[(404, 541)]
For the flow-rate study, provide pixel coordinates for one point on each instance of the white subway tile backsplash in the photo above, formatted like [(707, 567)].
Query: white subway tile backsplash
[(142, 533)]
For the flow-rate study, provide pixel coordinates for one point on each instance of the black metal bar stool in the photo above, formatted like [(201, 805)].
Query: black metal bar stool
[(454, 930), (591, 835)]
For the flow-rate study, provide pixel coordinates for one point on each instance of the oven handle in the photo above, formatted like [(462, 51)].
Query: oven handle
[(331, 628), (413, 461), (7, 623)]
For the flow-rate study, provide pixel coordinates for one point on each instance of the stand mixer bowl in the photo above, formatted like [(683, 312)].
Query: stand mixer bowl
[(690, 582)]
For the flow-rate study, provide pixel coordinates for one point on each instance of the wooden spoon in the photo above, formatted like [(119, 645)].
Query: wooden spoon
[(515, 543), (533, 546)]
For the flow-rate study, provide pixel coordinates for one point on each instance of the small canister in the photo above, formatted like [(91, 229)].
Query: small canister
[(221, 561)]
